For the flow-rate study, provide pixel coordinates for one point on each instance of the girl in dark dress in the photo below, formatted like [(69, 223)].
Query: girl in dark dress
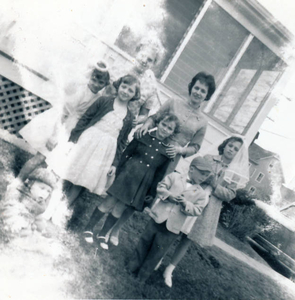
[(144, 158)]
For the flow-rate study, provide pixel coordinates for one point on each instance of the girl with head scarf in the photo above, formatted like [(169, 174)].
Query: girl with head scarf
[(230, 172)]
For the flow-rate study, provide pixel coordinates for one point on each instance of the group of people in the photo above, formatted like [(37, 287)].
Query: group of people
[(87, 144)]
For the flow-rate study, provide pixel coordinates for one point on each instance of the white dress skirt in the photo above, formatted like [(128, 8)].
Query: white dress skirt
[(48, 124), (38, 131), (88, 162)]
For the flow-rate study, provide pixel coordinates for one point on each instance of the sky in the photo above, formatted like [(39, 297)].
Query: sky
[(277, 133)]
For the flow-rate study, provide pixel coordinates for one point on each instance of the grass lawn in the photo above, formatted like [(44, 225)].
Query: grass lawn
[(81, 272)]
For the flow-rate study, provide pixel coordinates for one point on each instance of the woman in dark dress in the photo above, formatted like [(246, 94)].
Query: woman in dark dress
[(142, 159)]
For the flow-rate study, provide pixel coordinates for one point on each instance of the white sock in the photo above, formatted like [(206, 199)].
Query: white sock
[(169, 269)]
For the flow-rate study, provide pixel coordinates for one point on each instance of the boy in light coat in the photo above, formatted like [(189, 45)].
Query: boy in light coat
[(179, 196)]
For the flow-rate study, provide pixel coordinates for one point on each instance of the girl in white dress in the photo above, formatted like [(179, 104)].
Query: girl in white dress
[(54, 125), (97, 137)]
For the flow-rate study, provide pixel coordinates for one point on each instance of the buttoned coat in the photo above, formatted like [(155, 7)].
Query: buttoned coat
[(176, 214), (193, 125), (143, 163)]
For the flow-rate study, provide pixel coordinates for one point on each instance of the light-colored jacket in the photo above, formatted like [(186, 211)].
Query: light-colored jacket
[(176, 214)]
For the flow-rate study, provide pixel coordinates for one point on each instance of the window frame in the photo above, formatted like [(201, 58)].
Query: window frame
[(262, 174), (253, 27)]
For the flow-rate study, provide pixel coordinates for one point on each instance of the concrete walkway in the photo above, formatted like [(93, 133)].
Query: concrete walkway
[(265, 270)]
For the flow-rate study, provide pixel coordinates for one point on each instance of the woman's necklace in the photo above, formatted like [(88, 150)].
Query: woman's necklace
[(194, 107)]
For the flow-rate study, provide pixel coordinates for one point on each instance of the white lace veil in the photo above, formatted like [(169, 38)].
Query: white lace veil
[(238, 170)]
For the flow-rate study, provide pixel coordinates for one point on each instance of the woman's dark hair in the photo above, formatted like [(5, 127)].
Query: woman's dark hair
[(169, 118), (204, 78), (225, 142), (129, 79)]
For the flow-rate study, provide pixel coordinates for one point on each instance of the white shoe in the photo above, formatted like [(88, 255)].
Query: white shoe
[(158, 265), (114, 240), (103, 242), (167, 278), (88, 237), (104, 246)]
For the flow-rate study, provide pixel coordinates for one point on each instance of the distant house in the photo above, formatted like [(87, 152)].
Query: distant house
[(265, 173)]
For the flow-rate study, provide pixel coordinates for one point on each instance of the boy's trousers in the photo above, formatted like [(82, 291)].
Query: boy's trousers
[(152, 246)]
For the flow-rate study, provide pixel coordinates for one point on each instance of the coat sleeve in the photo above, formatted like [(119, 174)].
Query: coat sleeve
[(122, 141), (196, 208), (225, 193), (159, 175), (125, 155), (86, 118), (197, 139), (164, 186)]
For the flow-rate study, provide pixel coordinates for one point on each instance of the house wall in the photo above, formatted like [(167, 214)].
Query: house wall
[(264, 187), (270, 186)]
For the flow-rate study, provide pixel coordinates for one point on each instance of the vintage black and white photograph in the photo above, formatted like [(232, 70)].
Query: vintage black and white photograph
[(147, 149)]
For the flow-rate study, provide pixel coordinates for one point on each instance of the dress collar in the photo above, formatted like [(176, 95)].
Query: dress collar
[(164, 142), (217, 158), (195, 111)]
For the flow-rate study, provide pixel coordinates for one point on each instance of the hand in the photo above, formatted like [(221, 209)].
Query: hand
[(213, 181), (182, 202), (112, 171), (172, 199), (51, 144), (148, 199), (134, 122), (173, 150), (140, 132), (176, 199)]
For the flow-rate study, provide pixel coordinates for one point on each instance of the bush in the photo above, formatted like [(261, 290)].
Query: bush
[(242, 217)]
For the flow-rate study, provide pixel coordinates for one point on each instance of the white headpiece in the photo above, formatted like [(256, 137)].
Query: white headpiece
[(101, 65), (238, 169)]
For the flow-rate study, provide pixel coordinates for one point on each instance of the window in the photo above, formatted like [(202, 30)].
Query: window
[(271, 165), (260, 177), (211, 48), (245, 69), (248, 87), (252, 190)]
